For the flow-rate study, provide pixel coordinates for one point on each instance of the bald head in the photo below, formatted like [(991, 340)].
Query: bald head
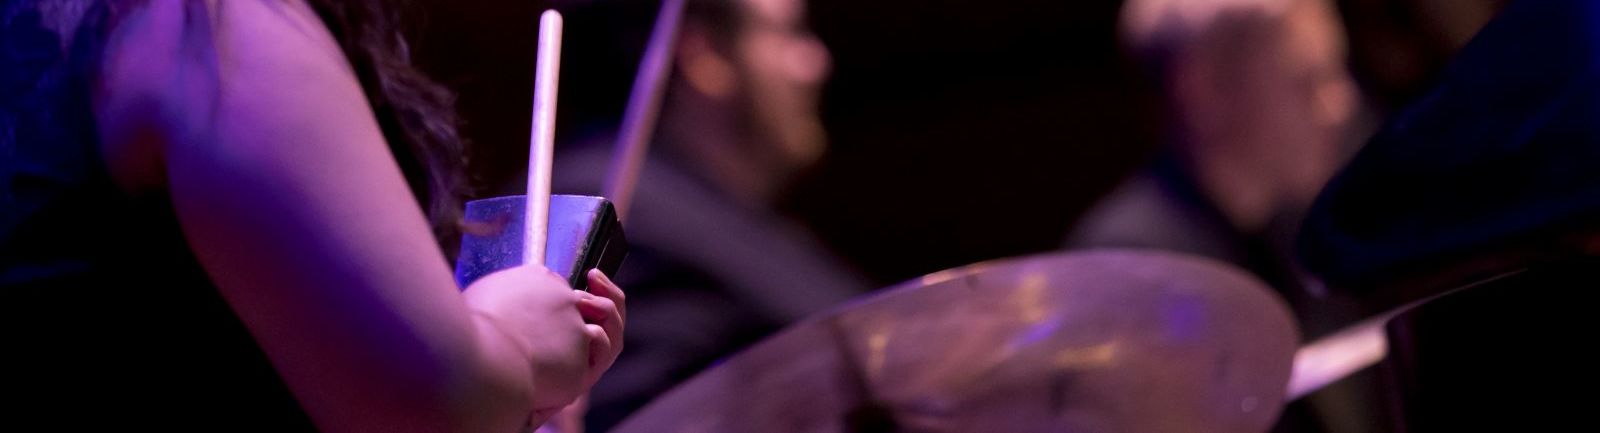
[(1158, 27), (1149, 25)]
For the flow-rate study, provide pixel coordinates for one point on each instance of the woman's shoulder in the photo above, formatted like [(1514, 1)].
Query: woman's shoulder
[(177, 69)]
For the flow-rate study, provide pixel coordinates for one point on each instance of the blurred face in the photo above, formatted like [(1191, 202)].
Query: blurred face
[(1278, 97), (782, 67), (1324, 97)]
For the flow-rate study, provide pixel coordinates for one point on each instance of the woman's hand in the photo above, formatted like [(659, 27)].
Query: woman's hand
[(569, 337), (535, 311), (605, 312)]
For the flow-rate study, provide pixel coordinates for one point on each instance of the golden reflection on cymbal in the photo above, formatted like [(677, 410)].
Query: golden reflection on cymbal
[(1110, 341)]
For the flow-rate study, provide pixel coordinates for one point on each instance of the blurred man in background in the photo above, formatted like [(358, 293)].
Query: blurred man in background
[(712, 266), (1259, 110)]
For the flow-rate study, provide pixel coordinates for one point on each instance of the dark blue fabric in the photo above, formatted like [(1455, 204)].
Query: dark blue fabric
[(44, 106), (1506, 148), (110, 322)]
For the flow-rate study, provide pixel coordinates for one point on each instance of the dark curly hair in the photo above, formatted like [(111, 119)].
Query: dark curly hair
[(417, 115)]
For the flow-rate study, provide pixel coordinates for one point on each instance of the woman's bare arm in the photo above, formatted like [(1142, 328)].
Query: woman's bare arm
[(291, 200)]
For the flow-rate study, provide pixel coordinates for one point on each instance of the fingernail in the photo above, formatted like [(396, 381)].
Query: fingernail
[(602, 276)]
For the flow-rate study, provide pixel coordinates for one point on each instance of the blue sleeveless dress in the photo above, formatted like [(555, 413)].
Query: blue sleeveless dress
[(111, 322)]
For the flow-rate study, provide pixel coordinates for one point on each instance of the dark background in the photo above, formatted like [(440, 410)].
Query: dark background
[(961, 130)]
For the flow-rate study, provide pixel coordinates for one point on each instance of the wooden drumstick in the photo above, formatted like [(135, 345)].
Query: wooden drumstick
[(1338, 356), (644, 106), (1335, 357), (536, 222)]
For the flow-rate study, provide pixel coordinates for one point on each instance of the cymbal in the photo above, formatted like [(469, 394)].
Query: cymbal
[(1109, 341)]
